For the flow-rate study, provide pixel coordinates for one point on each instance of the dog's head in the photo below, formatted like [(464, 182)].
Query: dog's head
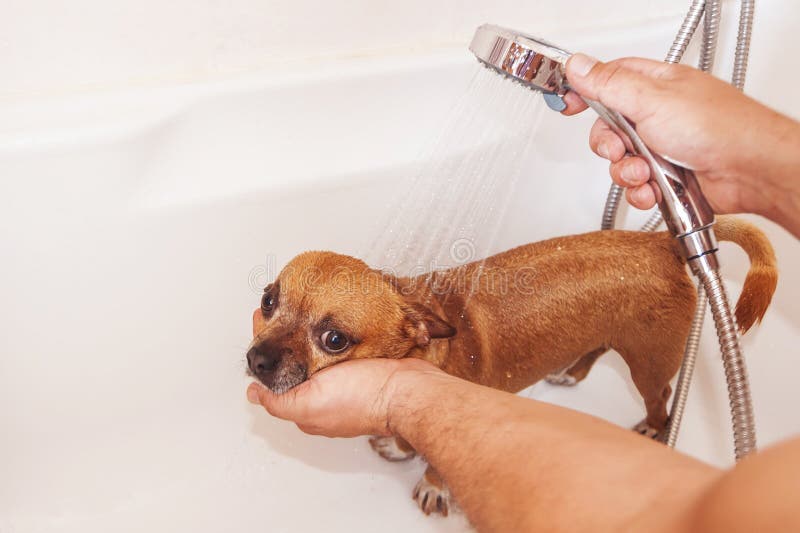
[(325, 308)]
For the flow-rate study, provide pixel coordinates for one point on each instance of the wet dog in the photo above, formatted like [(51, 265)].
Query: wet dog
[(507, 322)]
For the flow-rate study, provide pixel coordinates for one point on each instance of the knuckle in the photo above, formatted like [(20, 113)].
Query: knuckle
[(608, 74), (615, 170)]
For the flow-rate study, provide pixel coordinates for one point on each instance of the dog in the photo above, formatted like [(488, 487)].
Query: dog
[(549, 308)]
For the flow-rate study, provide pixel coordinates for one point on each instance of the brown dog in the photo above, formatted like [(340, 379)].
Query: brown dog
[(505, 322)]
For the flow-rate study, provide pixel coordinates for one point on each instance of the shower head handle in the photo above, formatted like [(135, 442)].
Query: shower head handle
[(540, 65), (686, 211)]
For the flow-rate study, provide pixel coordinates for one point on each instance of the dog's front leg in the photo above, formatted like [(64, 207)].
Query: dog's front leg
[(392, 448), (432, 494), (577, 371)]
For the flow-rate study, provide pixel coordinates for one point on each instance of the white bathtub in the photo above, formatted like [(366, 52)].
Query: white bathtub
[(135, 227)]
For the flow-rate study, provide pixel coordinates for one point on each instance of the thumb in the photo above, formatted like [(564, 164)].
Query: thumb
[(288, 405), (624, 85)]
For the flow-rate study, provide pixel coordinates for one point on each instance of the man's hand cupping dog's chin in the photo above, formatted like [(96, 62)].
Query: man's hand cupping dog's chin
[(346, 400)]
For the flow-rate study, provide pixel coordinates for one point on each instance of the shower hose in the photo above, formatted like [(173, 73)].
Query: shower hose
[(710, 288)]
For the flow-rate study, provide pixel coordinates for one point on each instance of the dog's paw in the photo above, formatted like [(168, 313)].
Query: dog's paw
[(643, 428), (562, 379), (432, 498), (390, 449)]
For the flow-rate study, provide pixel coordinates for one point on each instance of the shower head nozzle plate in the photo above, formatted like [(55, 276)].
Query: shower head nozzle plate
[(529, 60)]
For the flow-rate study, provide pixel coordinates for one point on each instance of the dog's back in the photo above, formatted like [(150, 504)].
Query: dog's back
[(563, 302), (539, 307)]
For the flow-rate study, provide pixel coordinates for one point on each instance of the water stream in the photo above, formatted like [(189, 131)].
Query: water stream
[(450, 213)]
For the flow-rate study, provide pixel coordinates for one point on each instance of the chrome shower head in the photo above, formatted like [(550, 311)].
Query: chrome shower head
[(529, 60)]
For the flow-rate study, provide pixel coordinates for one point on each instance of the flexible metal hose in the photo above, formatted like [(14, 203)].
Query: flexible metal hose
[(708, 47), (654, 221), (710, 282), (746, 15), (743, 419), (744, 436), (686, 31), (611, 207), (681, 394)]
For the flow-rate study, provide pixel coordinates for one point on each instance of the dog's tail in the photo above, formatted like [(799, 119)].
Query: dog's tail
[(759, 285)]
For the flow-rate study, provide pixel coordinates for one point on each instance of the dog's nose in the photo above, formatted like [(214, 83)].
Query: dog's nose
[(263, 359)]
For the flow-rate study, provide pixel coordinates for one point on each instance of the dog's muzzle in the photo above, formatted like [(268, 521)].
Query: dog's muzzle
[(275, 367)]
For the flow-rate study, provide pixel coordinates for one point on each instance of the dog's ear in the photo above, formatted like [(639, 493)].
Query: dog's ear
[(424, 325)]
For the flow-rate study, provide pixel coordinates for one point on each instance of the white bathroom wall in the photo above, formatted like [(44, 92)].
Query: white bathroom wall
[(49, 46)]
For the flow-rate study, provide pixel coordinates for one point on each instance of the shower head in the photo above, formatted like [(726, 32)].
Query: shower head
[(540, 65), (529, 60)]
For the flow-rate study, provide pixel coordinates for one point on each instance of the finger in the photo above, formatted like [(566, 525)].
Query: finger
[(641, 197), (630, 172), (622, 85), (575, 104), (288, 406), (605, 143), (310, 429), (252, 394)]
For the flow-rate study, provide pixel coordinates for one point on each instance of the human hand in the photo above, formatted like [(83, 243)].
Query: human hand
[(345, 400), (691, 118)]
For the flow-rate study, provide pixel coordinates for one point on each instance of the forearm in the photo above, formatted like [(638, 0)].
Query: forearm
[(752, 160), (518, 464), (772, 164)]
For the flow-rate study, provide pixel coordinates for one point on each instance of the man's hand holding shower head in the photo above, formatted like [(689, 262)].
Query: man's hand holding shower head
[(745, 155)]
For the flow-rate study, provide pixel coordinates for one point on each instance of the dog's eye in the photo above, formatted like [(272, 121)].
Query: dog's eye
[(334, 341), (267, 303)]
